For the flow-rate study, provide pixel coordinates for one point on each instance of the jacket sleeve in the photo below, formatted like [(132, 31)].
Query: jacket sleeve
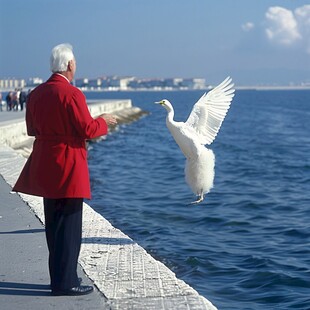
[(29, 121), (86, 126)]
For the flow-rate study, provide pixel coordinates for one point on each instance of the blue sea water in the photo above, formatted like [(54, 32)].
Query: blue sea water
[(247, 246)]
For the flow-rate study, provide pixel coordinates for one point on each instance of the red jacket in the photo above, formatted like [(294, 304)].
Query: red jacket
[(57, 115)]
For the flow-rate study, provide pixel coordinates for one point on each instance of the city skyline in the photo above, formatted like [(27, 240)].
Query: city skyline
[(266, 42)]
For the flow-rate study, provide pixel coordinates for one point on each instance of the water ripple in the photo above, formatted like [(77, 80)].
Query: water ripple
[(247, 245)]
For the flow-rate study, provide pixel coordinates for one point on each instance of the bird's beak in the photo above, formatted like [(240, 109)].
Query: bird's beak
[(158, 102)]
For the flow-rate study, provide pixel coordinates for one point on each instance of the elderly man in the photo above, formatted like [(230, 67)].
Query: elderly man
[(57, 170)]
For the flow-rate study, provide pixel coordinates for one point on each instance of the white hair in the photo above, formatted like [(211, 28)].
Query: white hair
[(60, 57)]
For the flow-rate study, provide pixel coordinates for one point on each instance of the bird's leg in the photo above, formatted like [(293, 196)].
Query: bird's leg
[(200, 199)]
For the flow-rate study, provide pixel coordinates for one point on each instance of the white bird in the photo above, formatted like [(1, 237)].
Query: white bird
[(201, 128)]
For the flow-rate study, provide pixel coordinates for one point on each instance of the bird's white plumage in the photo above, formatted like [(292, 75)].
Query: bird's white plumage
[(210, 110), (201, 128)]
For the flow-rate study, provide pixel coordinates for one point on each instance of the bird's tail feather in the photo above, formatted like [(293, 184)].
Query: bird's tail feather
[(199, 172)]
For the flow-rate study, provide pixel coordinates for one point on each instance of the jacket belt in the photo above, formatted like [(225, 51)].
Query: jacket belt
[(60, 139)]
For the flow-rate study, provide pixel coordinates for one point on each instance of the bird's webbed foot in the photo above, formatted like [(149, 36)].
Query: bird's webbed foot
[(200, 199)]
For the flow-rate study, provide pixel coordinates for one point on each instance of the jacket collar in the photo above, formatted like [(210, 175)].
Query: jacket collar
[(59, 77)]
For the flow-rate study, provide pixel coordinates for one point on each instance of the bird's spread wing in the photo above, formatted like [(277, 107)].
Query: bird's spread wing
[(210, 110)]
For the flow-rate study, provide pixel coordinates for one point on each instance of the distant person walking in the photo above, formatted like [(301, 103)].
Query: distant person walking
[(9, 101), (58, 117), (22, 99), (15, 100)]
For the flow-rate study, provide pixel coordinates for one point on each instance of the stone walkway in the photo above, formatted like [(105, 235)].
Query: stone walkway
[(24, 278)]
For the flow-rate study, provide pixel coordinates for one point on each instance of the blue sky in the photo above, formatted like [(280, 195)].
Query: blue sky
[(254, 41)]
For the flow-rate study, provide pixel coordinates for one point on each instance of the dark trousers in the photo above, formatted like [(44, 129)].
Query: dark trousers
[(63, 228)]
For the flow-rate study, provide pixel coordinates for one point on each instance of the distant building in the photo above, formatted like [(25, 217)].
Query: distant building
[(146, 84), (120, 83), (105, 82), (12, 83), (171, 82), (95, 83), (177, 82), (187, 83), (199, 83), (115, 83), (195, 83), (81, 83), (34, 81)]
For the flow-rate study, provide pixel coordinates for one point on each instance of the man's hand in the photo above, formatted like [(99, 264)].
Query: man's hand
[(109, 118)]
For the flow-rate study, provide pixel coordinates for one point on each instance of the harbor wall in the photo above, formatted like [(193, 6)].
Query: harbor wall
[(14, 133)]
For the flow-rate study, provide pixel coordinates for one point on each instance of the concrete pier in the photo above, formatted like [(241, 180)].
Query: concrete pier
[(13, 131), (125, 274)]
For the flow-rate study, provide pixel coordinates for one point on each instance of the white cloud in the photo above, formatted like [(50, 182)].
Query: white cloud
[(303, 15), (281, 26), (247, 26), (303, 19), (288, 27)]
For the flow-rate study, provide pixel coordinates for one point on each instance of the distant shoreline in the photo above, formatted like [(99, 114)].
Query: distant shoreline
[(200, 89), (258, 88), (272, 87)]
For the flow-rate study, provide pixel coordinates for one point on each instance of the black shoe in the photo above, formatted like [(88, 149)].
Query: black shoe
[(74, 291)]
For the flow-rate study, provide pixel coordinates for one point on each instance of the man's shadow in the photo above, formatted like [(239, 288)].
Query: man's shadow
[(24, 289), (25, 231)]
